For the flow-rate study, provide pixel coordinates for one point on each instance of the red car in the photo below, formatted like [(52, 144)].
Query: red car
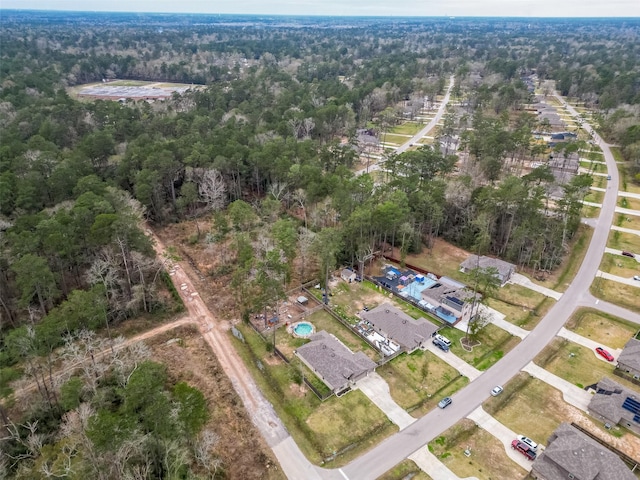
[(604, 354), (523, 448)]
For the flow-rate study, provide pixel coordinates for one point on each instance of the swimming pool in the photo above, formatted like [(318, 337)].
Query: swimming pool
[(303, 329)]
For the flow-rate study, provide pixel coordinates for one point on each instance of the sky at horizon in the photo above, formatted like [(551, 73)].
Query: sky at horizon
[(411, 8)]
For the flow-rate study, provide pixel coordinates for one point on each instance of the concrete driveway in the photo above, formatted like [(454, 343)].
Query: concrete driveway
[(519, 279), (571, 394), (502, 433), (377, 389), (433, 467), (626, 280), (614, 251), (590, 344)]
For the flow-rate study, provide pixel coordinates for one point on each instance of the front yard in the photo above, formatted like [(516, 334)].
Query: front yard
[(418, 381), (612, 331), (488, 459)]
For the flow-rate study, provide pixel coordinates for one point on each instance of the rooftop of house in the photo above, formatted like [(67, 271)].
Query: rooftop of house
[(504, 268), (572, 452), (609, 398), (400, 327), (630, 355), (333, 361)]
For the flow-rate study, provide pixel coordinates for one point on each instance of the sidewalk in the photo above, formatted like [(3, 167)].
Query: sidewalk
[(377, 389), (456, 362), (433, 467), (571, 394), (502, 433), (590, 344), (519, 279)]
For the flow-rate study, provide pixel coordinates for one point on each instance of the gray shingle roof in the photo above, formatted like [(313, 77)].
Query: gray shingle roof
[(571, 451), (505, 269), (400, 327), (630, 355), (333, 361), (609, 398)]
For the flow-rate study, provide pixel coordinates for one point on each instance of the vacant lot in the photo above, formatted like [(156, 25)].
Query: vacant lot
[(404, 471), (624, 295), (628, 221), (407, 128), (530, 407), (630, 203), (576, 364), (612, 331), (488, 458), (624, 241), (594, 196), (394, 139), (494, 344), (418, 381), (619, 265), (442, 259)]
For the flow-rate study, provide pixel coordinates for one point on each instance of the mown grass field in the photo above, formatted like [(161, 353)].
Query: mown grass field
[(596, 325), (405, 470), (619, 265), (624, 241), (624, 295)]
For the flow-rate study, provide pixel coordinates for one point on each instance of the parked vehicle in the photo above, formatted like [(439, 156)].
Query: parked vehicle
[(628, 254), (442, 346), (443, 340), (604, 354), (445, 402), (527, 441), (636, 277), (497, 390), (523, 448)]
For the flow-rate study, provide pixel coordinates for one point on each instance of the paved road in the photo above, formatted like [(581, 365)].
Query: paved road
[(396, 448), (432, 123)]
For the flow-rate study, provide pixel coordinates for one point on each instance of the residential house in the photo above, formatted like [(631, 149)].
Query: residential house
[(448, 301), (504, 269), (337, 366), (396, 326), (616, 405), (571, 454), (629, 359)]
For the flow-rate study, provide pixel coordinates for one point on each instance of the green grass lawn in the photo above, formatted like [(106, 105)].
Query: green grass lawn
[(624, 295), (594, 196), (619, 265), (404, 471), (408, 128), (494, 344), (395, 139), (334, 431), (624, 241), (590, 212), (594, 167), (575, 363), (628, 202), (530, 407), (611, 331), (488, 459), (418, 381), (628, 221)]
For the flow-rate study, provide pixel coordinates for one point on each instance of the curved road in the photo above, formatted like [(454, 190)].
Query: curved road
[(396, 448)]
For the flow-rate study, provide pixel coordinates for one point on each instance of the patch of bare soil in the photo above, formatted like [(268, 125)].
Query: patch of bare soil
[(188, 358), (469, 343)]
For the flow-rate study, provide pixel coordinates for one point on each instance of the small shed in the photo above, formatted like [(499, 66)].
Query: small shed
[(419, 278), (302, 300), (348, 275)]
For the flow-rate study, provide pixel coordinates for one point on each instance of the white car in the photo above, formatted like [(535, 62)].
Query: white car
[(528, 441), (497, 390)]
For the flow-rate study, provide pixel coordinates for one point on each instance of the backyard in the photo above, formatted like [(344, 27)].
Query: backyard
[(331, 432)]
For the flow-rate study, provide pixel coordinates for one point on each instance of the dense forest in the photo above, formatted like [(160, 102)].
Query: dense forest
[(266, 145)]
